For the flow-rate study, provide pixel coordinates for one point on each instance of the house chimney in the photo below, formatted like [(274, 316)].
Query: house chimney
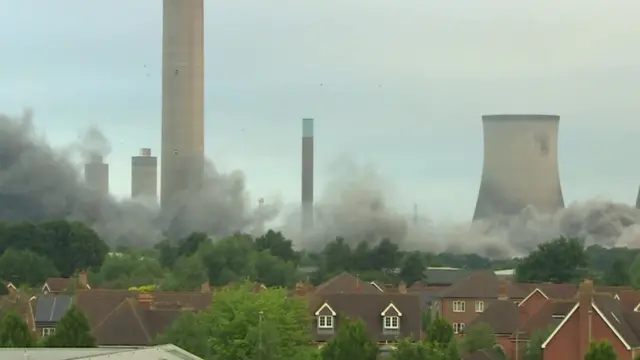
[(402, 287), (82, 280), (205, 287), (585, 313), (503, 290), (145, 300)]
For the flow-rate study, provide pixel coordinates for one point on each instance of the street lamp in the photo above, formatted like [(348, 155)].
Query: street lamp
[(260, 318)]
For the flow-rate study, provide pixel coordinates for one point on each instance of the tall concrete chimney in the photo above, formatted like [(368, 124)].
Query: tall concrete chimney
[(520, 165), (182, 99), (638, 200), (96, 175), (144, 175), (307, 175)]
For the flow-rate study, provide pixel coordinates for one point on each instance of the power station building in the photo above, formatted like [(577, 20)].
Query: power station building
[(520, 165), (307, 175), (144, 175), (96, 175), (182, 157)]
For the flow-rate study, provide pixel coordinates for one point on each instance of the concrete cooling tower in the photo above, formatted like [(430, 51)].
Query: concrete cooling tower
[(307, 175), (96, 175), (520, 165), (182, 99), (144, 176)]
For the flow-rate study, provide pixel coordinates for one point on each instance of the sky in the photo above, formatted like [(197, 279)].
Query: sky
[(399, 85)]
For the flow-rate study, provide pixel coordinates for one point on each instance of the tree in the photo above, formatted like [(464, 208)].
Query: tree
[(413, 268), (72, 331), (350, 343), (337, 256), (558, 261), (600, 350), (189, 333), (478, 337), (228, 259), (440, 332), (634, 272), (14, 331), (617, 274), (271, 270), (534, 347), (25, 267), (386, 255), (241, 321), (277, 245), (426, 319), (188, 274)]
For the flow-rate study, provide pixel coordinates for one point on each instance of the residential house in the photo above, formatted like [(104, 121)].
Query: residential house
[(49, 309), (594, 316), (65, 285), (347, 283), (387, 317), (463, 301), (126, 318), (20, 303)]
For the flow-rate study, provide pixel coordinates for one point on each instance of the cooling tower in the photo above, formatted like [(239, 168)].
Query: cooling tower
[(96, 175), (520, 165), (182, 99), (144, 176), (307, 175)]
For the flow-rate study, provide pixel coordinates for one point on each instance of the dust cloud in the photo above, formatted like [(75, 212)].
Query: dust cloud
[(38, 182)]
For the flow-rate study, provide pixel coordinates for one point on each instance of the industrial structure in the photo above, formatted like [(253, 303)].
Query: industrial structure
[(307, 175), (96, 175), (638, 200), (182, 158), (520, 165), (144, 176)]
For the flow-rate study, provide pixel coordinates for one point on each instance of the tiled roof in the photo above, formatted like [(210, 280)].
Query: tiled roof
[(20, 303), (502, 315), (368, 307), (118, 318), (566, 291), (629, 299), (549, 315), (481, 284), (346, 283), (445, 276), (57, 285)]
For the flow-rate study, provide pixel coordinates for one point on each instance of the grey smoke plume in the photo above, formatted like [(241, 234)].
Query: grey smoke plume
[(38, 183), (354, 206)]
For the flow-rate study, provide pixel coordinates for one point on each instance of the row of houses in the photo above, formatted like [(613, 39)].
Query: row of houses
[(577, 313)]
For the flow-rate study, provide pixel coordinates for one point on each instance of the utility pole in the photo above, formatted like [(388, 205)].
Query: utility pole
[(260, 317)]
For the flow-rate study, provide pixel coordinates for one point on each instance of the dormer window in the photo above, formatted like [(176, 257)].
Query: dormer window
[(391, 319), (325, 318)]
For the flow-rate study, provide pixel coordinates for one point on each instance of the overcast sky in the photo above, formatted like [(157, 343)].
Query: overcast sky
[(404, 86)]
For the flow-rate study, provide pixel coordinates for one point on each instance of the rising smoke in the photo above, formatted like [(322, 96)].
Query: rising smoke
[(38, 183)]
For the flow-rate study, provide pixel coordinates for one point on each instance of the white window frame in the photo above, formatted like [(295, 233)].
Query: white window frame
[(479, 306), (325, 322), (458, 328), (459, 306), (389, 322), (48, 331)]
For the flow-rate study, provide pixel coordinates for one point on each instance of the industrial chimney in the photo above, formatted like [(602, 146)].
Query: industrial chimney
[(144, 175), (96, 175), (520, 165), (307, 175), (182, 156)]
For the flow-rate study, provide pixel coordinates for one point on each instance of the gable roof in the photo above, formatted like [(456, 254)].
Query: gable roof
[(564, 291), (346, 283), (624, 324), (368, 308), (444, 276), (630, 299), (502, 315), (481, 284), (325, 306), (51, 308), (550, 314), (56, 285), (392, 310)]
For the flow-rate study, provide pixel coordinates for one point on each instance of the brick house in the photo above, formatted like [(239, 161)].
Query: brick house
[(594, 316), (48, 310), (462, 302), (387, 317)]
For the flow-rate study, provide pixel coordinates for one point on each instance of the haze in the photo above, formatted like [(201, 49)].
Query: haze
[(399, 85)]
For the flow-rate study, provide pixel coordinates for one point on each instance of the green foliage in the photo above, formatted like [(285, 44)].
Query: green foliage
[(426, 319), (143, 288), (634, 272), (189, 333), (421, 350), (600, 350), (25, 267), (559, 261), (350, 343), (412, 269), (128, 269), (534, 347), (278, 246), (478, 337), (440, 332), (617, 274), (72, 331), (188, 274), (14, 331)]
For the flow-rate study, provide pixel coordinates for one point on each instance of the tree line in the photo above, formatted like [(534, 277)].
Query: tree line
[(32, 252)]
